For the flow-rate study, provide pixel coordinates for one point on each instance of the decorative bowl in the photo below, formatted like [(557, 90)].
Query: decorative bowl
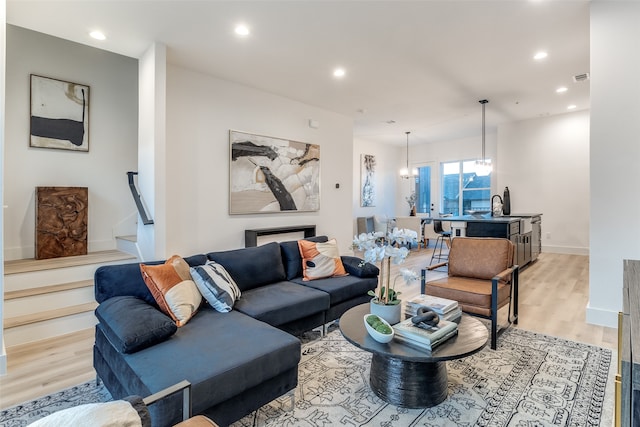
[(378, 336)]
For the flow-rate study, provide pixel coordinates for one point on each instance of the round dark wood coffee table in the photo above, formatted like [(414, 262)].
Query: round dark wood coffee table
[(406, 376)]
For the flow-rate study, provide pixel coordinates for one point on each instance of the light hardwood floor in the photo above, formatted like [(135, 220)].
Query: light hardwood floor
[(553, 297)]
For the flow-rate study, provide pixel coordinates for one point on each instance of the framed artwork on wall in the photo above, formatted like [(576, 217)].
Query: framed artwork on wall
[(268, 174), (367, 180), (59, 114)]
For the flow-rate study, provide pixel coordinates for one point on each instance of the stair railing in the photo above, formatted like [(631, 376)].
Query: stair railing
[(136, 198)]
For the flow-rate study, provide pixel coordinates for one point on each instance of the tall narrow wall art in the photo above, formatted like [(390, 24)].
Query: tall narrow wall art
[(59, 114), (268, 174), (367, 180)]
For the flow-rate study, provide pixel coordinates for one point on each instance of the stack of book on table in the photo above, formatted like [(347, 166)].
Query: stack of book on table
[(447, 309), (422, 335)]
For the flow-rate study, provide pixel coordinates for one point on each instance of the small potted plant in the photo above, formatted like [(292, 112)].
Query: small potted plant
[(411, 200), (378, 328), (385, 302)]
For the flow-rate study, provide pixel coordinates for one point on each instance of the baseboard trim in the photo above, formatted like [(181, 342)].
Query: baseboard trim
[(569, 250), (3, 358), (602, 317)]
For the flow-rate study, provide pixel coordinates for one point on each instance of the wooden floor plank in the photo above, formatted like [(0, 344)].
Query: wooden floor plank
[(41, 316), (28, 265), (41, 290)]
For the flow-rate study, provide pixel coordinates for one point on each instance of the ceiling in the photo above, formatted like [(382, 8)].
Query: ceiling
[(422, 64)]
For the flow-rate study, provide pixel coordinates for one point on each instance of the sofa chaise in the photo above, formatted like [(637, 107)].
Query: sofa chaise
[(236, 361)]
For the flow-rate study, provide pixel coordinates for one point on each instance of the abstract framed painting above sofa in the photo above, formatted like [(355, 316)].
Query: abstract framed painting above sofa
[(239, 355), (268, 174)]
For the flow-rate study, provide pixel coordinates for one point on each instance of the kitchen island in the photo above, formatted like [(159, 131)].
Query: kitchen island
[(522, 229)]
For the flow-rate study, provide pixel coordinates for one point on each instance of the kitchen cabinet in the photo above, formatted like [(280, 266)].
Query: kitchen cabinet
[(522, 229)]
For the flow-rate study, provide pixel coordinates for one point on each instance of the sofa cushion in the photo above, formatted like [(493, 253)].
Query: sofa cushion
[(341, 288), (473, 295), (173, 288), (357, 267), (320, 260), (131, 324), (216, 286), (210, 353), (120, 280), (291, 256), (282, 302), (252, 267), (125, 279)]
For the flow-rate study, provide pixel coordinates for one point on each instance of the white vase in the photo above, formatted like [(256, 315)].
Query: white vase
[(390, 313)]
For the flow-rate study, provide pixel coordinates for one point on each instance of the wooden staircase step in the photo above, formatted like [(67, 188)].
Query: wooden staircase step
[(22, 293), (29, 265), (42, 316)]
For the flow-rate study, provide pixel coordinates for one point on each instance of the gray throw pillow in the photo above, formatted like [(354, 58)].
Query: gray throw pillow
[(216, 286)]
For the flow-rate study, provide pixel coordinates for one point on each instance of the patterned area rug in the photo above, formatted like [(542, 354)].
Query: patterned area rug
[(26, 413), (532, 380)]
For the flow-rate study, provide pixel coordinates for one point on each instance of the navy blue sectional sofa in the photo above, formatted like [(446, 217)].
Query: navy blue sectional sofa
[(236, 361)]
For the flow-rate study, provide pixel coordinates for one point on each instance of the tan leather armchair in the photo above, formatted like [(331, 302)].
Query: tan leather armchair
[(482, 277)]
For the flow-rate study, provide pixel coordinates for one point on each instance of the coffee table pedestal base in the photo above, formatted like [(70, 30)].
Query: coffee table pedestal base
[(408, 384)]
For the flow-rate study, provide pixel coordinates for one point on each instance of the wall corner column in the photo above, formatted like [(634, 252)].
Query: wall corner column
[(152, 77)]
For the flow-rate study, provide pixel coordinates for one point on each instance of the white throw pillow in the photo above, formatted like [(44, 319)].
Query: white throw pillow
[(110, 414)]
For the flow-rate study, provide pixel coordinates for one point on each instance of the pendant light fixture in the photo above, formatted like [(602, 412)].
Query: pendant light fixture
[(404, 172), (483, 168)]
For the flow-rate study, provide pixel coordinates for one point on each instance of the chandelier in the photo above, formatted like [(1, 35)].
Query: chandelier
[(404, 172), (483, 167)]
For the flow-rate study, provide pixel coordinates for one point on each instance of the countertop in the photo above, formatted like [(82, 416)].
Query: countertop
[(481, 218), (488, 217), (523, 215)]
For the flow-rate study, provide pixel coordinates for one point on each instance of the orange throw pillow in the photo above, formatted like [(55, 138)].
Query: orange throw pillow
[(320, 260), (173, 289)]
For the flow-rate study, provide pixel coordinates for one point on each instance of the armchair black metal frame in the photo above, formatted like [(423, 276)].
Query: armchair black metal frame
[(459, 282), (513, 271)]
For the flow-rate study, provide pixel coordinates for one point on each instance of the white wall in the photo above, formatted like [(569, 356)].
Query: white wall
[(615, 153), (435, 153), (3, 22), (385, 182), (113, 129), (200, 112), (545, 164), (559, 143), (151, 241)]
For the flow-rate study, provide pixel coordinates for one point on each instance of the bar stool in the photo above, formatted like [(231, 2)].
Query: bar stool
[(440, 241)]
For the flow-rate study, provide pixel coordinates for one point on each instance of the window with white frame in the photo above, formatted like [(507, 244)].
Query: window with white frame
[(462, 189)]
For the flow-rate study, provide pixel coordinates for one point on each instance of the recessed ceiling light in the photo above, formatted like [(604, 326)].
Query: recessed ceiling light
[(339, 72), (572, 107), (242, 30), (540, 55), (562, 89), (98, 35)]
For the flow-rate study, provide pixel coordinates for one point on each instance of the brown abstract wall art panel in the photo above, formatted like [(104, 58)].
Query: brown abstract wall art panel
[(61, 221)]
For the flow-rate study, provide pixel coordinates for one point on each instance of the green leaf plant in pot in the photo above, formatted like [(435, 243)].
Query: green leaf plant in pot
[(378, 248)]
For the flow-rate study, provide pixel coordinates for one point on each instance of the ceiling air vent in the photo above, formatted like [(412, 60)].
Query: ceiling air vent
[(581, 77)]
